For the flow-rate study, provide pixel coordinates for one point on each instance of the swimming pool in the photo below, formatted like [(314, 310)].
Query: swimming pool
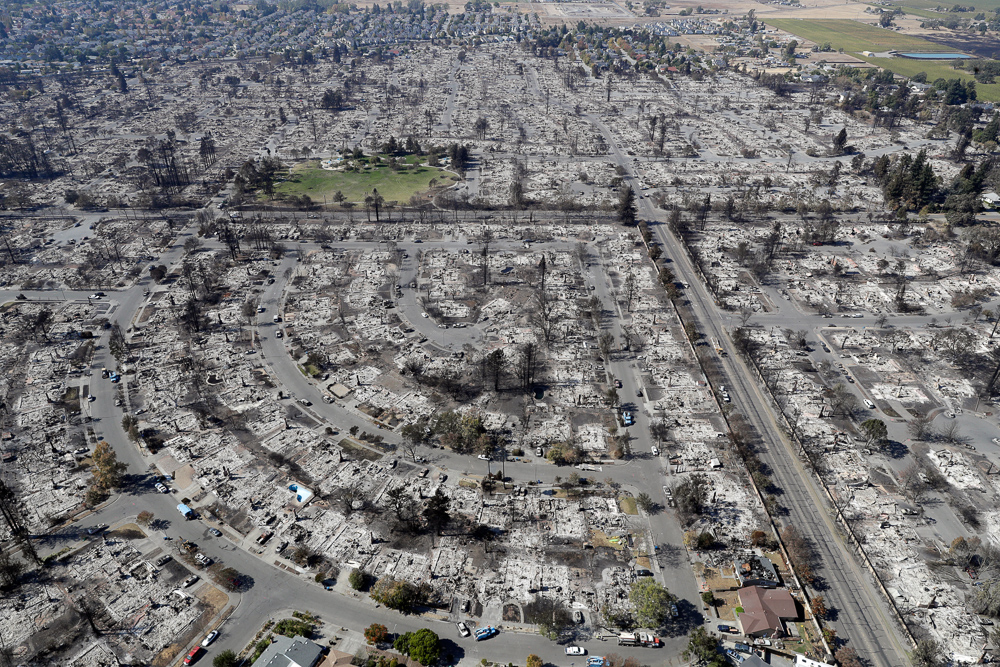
[(935, 56)]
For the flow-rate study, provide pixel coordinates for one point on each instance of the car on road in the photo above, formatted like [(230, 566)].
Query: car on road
[(463, 629), (161, 488), (575, 650), (193, 656), (995, 441), (595, 661), (261, 309), (627, 418), (96, 529), (869, 404), (674, 611), (654, 451), (190, 580), (728, 628), (91, 397), (215, 531), (424, 315), (94, 296), (638, 392), (305, 401), (486, 633), (483, 457), (212, 636)]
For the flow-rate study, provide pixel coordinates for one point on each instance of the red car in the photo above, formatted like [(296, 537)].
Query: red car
[(193, 656)]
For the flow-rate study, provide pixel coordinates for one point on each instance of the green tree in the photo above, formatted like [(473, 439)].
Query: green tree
[(703, 649), (625, 208), (534, 661), (424, 646), (645, 502), (395, 594), (107, 470), (651, 602), (225, 659), (875, 431), (436, 511), (358, 579)]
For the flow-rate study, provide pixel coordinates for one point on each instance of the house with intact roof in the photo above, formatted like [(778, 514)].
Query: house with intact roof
[(765, 611)]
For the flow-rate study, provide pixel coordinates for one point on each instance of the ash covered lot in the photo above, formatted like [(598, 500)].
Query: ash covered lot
[(382, 314)]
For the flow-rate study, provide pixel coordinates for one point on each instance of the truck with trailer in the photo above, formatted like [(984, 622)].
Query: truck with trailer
[(639, 639)]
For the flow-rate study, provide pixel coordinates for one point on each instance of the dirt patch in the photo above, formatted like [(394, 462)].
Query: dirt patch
[(129, 531), (357, 451), (512, 613), (727, 603), (599, 538)]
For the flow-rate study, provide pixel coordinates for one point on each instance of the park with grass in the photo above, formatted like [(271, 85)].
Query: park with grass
[(356, 179)]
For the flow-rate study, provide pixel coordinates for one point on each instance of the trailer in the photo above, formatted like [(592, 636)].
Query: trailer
[(186, 511)]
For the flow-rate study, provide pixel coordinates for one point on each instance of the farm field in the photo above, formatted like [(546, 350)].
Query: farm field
[(308, 178), (853, 36)]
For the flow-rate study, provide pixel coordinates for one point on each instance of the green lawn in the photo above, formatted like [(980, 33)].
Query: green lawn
[(853, 36), (307, 178), (939, 69)]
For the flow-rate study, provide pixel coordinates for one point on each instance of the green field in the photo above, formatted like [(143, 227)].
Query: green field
[(853, 36), (307, 178), (935, 70)]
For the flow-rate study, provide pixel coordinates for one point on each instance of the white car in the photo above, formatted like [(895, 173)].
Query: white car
[(483, 457), (869, 404), (210, 638), (95, 296), (576, 650), (654, 451), (463, 629), (161, 488)]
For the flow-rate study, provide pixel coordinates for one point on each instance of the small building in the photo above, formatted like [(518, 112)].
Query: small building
[(339, 390), (756, 571), (290, 652), (765, 611), (991, 199)]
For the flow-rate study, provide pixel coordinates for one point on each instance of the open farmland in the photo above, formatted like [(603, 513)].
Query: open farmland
[(853, 36)]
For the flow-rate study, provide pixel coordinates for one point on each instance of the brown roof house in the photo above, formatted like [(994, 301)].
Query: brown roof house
[(765, 610)]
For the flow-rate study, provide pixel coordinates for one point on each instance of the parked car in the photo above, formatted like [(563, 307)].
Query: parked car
[(869, 404), (210, 638), (486, 633), (163, 560), (161, 488), (96, 529), (483, 457), (193, 656), (728, 628), (463, 629), (190, 580), (215, 531), (575, 650)]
